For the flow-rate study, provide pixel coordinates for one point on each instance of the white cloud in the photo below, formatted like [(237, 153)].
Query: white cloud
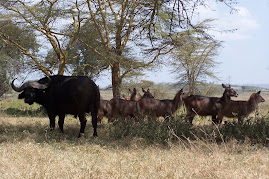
[(242, 20)]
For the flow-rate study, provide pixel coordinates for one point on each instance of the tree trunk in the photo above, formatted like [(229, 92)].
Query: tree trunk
[(61, 67), (116, 80)]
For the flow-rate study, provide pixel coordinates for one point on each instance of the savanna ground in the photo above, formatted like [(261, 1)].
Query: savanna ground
[(127, 149)]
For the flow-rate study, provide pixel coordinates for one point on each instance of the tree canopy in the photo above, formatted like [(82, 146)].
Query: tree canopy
[(84, 37), (194, 58)]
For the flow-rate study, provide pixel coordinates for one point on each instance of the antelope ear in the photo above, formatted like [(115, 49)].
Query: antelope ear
[(259, 92), (143, 90), (134, 90), (148, 90), (223, 85), (181, 90)]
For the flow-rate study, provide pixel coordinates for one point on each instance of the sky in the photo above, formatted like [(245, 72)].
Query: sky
[(244, 58)]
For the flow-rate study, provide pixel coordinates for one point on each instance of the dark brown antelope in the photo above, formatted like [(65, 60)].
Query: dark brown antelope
[(208, 106), (160, 108), (135, 96), (105, 110), (123, 108), (147, 94), (127, 108), (241, 109)]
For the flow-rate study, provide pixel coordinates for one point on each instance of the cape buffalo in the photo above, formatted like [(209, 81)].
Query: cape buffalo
[(61, 95)]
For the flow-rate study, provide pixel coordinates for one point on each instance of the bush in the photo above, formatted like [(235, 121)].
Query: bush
[(254, 129), (175, 129)]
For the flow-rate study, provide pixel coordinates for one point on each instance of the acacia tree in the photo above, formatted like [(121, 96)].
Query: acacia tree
[(193, 60), (121, 25), (146, 25)]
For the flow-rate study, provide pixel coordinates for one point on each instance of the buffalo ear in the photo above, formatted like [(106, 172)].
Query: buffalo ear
[(223, 85)]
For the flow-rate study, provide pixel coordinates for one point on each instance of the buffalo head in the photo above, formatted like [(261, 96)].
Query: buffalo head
[(31, 90)]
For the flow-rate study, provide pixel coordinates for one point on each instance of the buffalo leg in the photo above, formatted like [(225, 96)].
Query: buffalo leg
[(83, 122), (94, 123), (61, 122), (52, 121)]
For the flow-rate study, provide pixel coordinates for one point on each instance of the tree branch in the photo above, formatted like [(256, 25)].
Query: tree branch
[(98, 27), (147, 64), (7, 40)]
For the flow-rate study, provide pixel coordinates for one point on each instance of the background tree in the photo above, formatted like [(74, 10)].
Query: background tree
[(194, 58), (46, 19), (12, 61)]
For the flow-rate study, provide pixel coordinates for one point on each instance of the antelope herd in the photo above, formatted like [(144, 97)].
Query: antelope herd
[(137, 106)]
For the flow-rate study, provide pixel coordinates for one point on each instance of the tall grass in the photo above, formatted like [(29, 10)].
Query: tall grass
[(255, 130)]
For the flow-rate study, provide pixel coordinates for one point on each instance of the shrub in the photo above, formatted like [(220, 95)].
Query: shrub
[(254, 129), (175, 129)]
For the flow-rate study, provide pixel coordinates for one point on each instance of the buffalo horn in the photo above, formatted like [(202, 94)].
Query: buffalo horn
[(30, 84)]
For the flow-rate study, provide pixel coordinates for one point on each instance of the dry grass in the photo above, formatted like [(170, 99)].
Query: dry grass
[(29, 150)]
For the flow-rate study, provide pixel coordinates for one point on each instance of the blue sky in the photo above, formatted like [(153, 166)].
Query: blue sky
[(244, 58)]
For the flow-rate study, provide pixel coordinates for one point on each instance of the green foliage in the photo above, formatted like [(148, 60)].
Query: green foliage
[(83, 61), (254, 129), (12, 60)]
